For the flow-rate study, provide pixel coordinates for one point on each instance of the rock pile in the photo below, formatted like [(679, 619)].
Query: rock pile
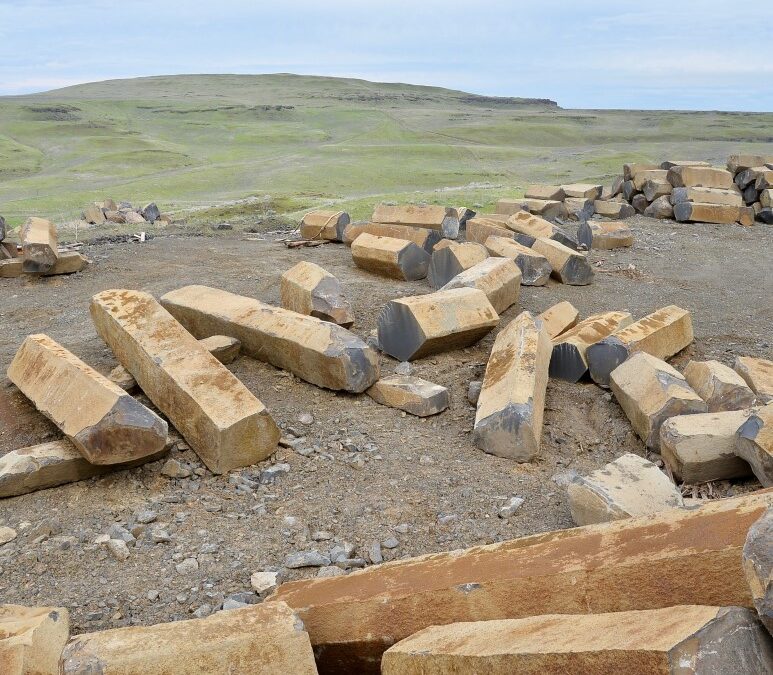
[(108, 211)]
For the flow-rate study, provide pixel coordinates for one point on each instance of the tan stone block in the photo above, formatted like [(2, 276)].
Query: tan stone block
[(134, 218), (604, 235), (328, 225), (709, 639), (549, 192), (411, 394), (649, 392), (719, 385), (533, 227), (224, 348), (701, 448), (662, 334), (632, 169), (50, 464), (507, 207), (669, 164), (420, 236), (216, 414), (39, 245), (739, 162), (754, 443), (317, 351), (570, 361), (547, 208), (442, 218), (451, 260), (661, 209), (94, 215), (653, 189), (704, 195), (764, 180), (12, 268), (123, 378), (106, 424), (498, 278), (508, 421), (582, 190), (700, 176), (559, 318), (265, 639), (115, 217), (766, 198), (68, 262), (758, 374), (413, 327), (535, 268), (569, 266), (637, 563), (394, 258), (758, 566), (108, 204), (309, 289), (610, 209), (479, 229), (746, 216), (628, 487), (32, 639), (579, 208), (642, 177)]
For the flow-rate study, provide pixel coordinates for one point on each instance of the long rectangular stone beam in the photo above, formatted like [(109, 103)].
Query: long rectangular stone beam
[(395, 258), (480, 228), (678, 557), (328, 225), (39, 244), (420, 236), (224, 423), (106, 424), (529, 225), (430, 216)]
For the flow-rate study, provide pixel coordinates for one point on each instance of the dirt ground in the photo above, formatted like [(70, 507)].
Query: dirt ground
[(422, 476)]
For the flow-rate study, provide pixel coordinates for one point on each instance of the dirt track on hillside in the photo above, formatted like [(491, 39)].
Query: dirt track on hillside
[(416, 472)]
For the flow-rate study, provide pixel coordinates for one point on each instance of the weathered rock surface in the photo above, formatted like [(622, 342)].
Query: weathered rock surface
[(639, 202), (551, 192), (631, 170), (32, 639), (533, 227), (719, 385), (559, 318), (535, 268), (394, 258), (420, 236), (604, 235), (507, 207), (216, 414), (569, 360), (629, 486), (612, 209), (704, 195), (104, 423), (648, 175), (582, 190), (499, 278), (150, 212), (479, 229), (451, 260), (508, 421), (662, 334), (225, 349), (547, 208), (661, 208), (50, 464), (412, 327), (757, 560), (317, 351), (739, 162), (652, 189), (411, 394), (569, 266), (709, 639), (758, 374), (579, 208), (649, 392), (94, 215), (265, 638), (39, 245), (328, 225), (442, 218), (754, 443), (701, 448), (309, 289), (613, 567), (700, 176)]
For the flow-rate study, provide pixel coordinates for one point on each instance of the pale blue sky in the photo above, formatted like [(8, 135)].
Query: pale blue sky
[(710, 54)]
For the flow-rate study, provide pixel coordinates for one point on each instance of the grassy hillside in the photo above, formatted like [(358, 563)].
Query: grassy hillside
[(194, 141)]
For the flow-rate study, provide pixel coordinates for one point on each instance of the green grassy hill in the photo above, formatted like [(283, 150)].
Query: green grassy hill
[(194, 141)]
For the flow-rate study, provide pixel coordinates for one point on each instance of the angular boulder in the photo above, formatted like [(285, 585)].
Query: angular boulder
[(719, 385), (225, 349), (533, 227), (150, 212), (579, 208), (508, 420), (216, 414), (105, 424), (612, 209), (453, 259), (327, 225), (709, 639), (630, 170), (394, 258), (757, 559), (535, 268), (582, 190), (639, 202), (650, 391), (653, 189), (498, 278), (569, 266), (754, 443), (441, 218), (479, 229), (628, 487), (758, 374), (739, 162), (309, 289), (700, 176), (570, 360), (32, 639), (317, 351), (647, 175), (68, 262), (604, 235), (411, 394), (547, 208), (413, 327), (94, 215), (264, 638), (39, 245), (662, 334), (548, 192), (420, 236), (701, 448), (661, 208), (559, 318), (507, 207)]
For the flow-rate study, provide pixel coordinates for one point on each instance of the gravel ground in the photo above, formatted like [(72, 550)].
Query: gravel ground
[(375, 474)]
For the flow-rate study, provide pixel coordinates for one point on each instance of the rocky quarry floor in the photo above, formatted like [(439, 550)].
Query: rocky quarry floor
[(377, 482)]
